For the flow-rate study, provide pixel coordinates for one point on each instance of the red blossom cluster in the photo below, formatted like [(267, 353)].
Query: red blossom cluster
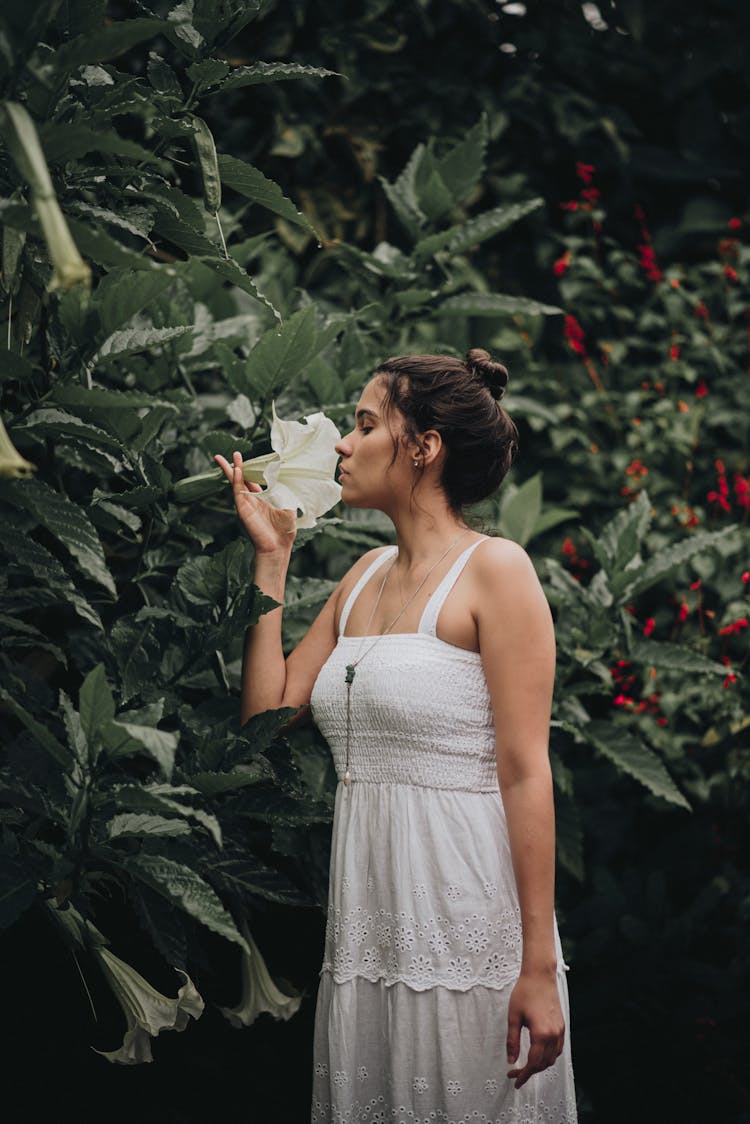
[(721, 497), (701, 389), (701, 311), (636, 469), (562, 264), (742, 491), (624, 681), (575, 335), (646, 252), (690, 518), (735, 627), (730, 677), (589, 195), (574, 561)]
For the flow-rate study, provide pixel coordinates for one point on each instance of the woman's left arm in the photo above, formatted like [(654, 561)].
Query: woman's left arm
[(517, 644)]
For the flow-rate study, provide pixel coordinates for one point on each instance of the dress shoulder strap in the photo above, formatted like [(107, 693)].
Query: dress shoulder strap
[(429, 619), (361, 583)]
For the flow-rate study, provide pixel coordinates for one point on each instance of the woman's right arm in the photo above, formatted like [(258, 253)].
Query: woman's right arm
[(269, 680)]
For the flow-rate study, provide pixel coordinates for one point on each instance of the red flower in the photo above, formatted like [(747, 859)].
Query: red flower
[(701, 311), (674, 351), (568, 547), (573, 205), (591, 194), (636, 469), (696, 585), (562, 264), (661, 721), (746, 576), (734, 627), (701, 389), (734, 224), (622, 700), (742, 490), (683, 612), (575, 336), (730, 273), (584, 171), (649, 626)]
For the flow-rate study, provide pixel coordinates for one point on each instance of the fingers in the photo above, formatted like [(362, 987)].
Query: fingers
[(514, 1036), (233, 473), (543, 1052)]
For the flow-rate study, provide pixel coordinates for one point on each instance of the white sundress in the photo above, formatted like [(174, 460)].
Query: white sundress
[(423, 937)]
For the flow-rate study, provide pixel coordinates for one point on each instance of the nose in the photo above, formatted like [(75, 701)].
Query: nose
[(344, 446)]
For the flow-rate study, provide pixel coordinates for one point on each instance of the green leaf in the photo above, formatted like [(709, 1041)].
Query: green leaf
[(520, 510), (673, 657), (631, 756), (495, 304), (96, 704), (251, 183), (230, 270), (207, 73), (402, 195), (45, 738), (67, 522), (59, 422), (632, 582), (122, 293), (167, 798), (106, 43), (620, 539), (62, 143), (129, 824), (29, 555), (279, 355), (462, 168), (123, 739), (262, 72), (476, 230), (188, 890), (130, 341)]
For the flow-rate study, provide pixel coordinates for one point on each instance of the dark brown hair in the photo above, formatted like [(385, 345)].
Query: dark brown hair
[(460, 398)]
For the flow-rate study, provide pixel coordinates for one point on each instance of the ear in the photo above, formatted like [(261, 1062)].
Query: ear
[(429, 448)]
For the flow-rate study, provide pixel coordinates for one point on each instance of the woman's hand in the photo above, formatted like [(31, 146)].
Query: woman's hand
[(271, 529), (535, 1004)]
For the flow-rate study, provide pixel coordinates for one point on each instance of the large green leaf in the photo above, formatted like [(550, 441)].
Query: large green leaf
[(495, 304), (130, 341), (520, 510), (49, 420), (279, 355), (619, 540), (96, 703), (27, 554), (631, 582), (68, 522), (251, 183), (144, 824), (633, 757), (122, 293), (63, 142), (402, 195), (188, 890), (105, 43), (123, 739), (674, 657), (462, 167), (476, 230), (42, 735)]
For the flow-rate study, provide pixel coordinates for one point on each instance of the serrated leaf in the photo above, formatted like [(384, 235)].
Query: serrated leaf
[(462, 167), (495, 304), (632, 582), (520, 510), (49, 420), (230, 270), (132, 340), (673, 657), (29, 555), (476, 230), (621, 537), (251, 183), (631, 756), (96, 704), (67, 522), (122, 293), (123, 739), (214, 784), (188, 890), (245, 875), (167, 798), (129, 823), (262, 72), (402, 195), (105, 398)]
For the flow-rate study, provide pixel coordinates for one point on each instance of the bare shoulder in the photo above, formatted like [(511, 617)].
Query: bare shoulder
[(500, 560), (353, 574)]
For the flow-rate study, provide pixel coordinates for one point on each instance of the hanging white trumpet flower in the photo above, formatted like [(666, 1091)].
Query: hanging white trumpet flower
[(298, 473), (259, 992), (147, 1011)]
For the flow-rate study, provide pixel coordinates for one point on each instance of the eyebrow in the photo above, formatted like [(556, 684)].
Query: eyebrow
[(365, 412)]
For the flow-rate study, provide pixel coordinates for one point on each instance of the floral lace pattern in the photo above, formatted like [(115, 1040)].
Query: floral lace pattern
[(424, 952)]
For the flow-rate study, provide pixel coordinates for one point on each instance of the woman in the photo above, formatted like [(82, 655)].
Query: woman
[(430, 673)]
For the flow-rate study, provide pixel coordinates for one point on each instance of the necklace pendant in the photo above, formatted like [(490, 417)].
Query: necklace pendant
[(349, 679), (347, 778)]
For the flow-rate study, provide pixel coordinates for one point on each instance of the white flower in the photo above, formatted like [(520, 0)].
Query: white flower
[(259, 992), (147, 1011), (298, 474)]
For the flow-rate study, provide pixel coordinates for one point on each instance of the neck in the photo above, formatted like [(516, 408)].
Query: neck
[(424, 536)]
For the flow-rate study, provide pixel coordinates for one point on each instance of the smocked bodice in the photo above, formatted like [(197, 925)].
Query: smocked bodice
[(420, 708)]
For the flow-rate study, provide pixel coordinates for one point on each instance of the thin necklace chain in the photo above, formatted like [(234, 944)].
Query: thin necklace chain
[(351, 667)]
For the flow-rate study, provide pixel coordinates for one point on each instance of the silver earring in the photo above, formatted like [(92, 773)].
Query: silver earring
[(416, 464)]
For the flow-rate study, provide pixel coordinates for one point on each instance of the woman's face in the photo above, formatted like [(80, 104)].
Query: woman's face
[(368, 474)]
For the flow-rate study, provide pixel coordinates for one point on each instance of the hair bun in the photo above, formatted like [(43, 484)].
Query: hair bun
[(493, 375)]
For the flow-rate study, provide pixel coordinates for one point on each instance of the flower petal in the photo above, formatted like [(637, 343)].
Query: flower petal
[(259, 992)]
